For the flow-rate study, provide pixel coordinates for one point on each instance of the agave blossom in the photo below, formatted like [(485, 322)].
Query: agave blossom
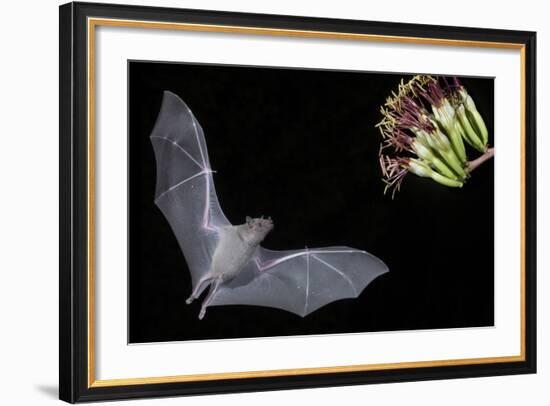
[(424, 128)]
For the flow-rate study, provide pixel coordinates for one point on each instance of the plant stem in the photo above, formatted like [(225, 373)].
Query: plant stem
[(478, 161)]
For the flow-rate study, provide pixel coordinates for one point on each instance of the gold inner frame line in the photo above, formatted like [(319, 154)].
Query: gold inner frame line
[(94, 22)]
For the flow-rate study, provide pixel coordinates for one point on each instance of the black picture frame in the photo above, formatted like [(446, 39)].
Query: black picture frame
[(76, 383)]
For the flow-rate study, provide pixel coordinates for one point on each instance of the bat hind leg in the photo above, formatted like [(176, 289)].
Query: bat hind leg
[(213, 289), (201, 286)]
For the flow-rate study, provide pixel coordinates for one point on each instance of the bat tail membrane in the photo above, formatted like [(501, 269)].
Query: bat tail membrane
[(302, 281), (185, 190)]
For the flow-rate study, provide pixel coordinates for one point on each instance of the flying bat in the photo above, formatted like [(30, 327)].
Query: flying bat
[(228, 259)]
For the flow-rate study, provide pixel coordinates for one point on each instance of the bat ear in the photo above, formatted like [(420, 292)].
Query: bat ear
[(248, 219)]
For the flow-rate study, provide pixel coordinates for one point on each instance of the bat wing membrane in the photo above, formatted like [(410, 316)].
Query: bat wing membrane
[(301, 281), (185, 190)]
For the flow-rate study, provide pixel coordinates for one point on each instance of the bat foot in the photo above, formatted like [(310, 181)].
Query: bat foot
[(202, 313), (189, 300)]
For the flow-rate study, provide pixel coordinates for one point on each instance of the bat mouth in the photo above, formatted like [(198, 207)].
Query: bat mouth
[(265, 221), (266, 225)]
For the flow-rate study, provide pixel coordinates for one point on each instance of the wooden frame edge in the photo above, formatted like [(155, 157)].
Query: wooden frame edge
[(70, 389), (94, 22)]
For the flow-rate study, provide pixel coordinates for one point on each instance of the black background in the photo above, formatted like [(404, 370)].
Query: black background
[(300, 146)]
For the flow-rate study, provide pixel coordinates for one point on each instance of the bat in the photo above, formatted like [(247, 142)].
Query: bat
[(228, 259)]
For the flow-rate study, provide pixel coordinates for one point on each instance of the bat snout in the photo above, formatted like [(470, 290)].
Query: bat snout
[(268, 223)]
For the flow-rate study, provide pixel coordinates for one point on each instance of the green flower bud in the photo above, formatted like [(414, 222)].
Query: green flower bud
[(439, 143), (427, 155), (423, 170), (446, 116), (420, 168), (474, 117), (468, 132)]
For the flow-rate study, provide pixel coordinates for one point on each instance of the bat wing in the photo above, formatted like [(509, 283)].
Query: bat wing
[(301, 281), (185, 190)]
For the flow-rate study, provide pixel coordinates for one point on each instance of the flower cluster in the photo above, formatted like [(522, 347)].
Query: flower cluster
[(425, 126)]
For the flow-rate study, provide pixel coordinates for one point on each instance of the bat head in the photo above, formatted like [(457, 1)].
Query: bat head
[(258, 228)]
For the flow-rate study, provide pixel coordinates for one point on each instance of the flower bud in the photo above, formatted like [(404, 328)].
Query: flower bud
[(474, 117), (423, 170), (428, 156), (470, 135)]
